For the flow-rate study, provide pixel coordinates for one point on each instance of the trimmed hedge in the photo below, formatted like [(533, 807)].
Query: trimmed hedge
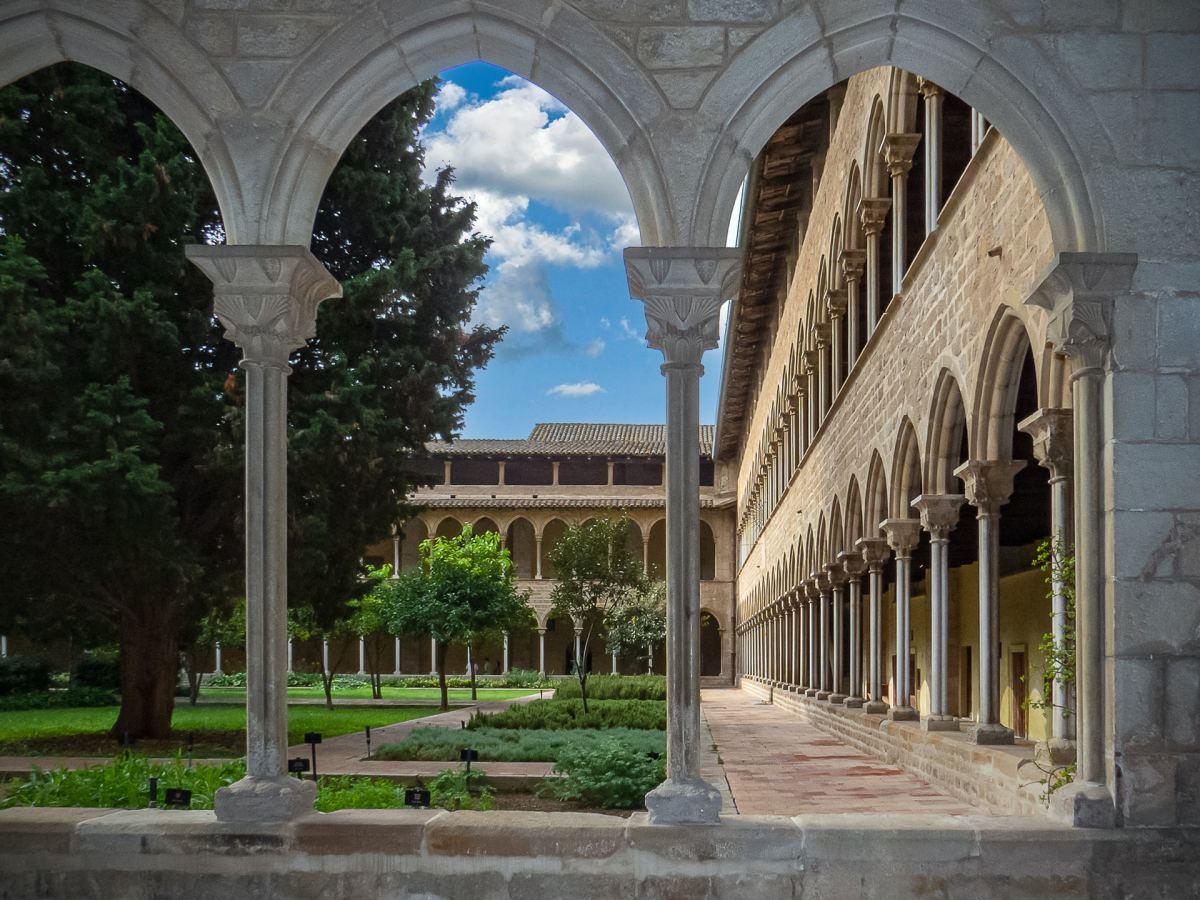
[(515, 745), (23, 675), (98, 669), (74, 698), (616, 687), (554, 715), (608, 773)]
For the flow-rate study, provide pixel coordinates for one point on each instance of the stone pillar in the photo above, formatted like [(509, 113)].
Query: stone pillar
[(989, 484), (614, 662), (611, 481), (902, 535), (396, 556), (500, 476), (266, 298), (872, 212), (447, 471), (433, 649), (823, 335), (3, 646), (1054, 449), (875, 553), (812, 364), (854, 567), (504, 664), (897, 154), (554, 472), (682, 289), (939, 515), (824, 587), (289, 655), (217, 658), (646, 555), (837, 586), (978, 130), (836, 305), (362, 655), (854, 263), (537, 552), (578, 647), (542, 652), (814, 599), (933, 152), (325, 655), (397, 652), (1080, 292)]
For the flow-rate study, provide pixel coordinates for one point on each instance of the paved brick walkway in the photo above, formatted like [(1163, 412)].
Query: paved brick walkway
[(776, 764)]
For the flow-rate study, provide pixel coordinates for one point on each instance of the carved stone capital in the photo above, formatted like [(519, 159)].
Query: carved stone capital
[(812, 359), (682, 289), (835, 301), (266, 296), (939, 512), (988, 482), (1079, 291), (927, 88), (1053, 434), (836, 573), (853, 563), (854, 263), (874, 551), (820, 580), (902, 535), (873, 213), (897, 152), (823, 334)]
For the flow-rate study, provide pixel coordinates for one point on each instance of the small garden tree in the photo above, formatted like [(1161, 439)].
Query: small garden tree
[(304, 625), (224, 626), (638, 624), (597, 573), (368, 619), (462, 589)]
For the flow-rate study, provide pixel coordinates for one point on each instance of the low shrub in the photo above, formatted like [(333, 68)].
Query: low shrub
[(98, 669), (73, 697), (616, 687), (513, 745), (607, 773), (557, 714), (23, 675), (522, 678), (459, 789)]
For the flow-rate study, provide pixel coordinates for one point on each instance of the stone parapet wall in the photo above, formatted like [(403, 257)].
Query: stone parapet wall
[(91, 853)]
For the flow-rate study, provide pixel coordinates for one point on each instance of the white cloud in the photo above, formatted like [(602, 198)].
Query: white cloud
[(578, 389), (629, 332), (449, 97), (594, 348)]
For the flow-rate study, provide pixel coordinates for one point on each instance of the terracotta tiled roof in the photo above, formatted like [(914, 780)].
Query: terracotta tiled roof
[(575, 439), (556, 502)]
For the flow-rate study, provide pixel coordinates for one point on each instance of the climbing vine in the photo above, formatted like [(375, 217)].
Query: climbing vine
[(1056, 558)]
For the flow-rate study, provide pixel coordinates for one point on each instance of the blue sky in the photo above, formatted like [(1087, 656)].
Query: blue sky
[(551, 198)]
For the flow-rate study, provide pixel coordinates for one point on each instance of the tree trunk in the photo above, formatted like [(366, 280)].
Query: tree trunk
[(149, 671), (441, 670)]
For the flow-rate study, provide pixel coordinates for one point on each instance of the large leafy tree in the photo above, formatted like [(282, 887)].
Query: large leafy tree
[(638, 623), (597, 573), (121, 404), (462, 590)]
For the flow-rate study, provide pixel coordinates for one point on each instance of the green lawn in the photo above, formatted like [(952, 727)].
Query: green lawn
[(364, 693), (219, 729)]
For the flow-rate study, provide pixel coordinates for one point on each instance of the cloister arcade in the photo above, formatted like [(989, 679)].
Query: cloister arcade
[(972, 370)]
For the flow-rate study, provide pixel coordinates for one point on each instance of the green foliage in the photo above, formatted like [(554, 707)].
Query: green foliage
[(608, 774), (459, 789), (638, 622), (617, 687), (513, 744), (520, 678), (1056, 559), (565, 714), (336, 792), (23, 674), (73, 698), (98, 669)]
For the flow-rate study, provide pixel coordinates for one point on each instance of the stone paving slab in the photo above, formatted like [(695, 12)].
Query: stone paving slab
[(776, 764)]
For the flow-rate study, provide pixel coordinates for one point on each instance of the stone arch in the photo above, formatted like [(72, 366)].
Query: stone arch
[(854, 514), (358, 68), (184, 84), (657, 556), (448, 527), (1057, 132), (822, 555), (710, 642), (1007, 344), (521, 538), (810, 554), (875, 508), (486, 524), (876, 181), (837, 534), (906, 471), (551, 533), (853, 238), (1054, 389), (708, 552), (836, 242), (411, 534), (947, 433), (902, 102)]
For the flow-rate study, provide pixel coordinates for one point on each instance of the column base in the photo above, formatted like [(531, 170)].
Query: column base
[(854, 702), (903, 714), (875, 707), (265, 800), (684, 802), (810, 692), (991, 733), (940, 723), (822, 695), (1084, 805), (839, 699), (1060, 751)]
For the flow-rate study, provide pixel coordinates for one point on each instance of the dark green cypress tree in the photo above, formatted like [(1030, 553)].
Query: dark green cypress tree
[(120, 402)]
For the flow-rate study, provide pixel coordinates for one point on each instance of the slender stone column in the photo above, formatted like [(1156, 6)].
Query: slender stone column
[(289, 655), (646, 555), (1080, 291), (397, 650), (933, 152), (837, 583), (504, 667), (989, 484), (1054, 449), (396, 556), (217, 658), (542, 652), (362, 655), (3, 646), (614, 662), (682, 289), (537, 553), (579, 663), (325, 655), (898, 155), (836, 305), (266, 298), (812, 362), (875, 553), (902, 537), (433, 650), (814, 599), (854, 567), (821, 580), (823, 335), (939, 515), (978, 130), (873, 212), (854, 263)]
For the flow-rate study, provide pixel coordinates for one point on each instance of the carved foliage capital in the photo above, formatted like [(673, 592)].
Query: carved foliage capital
[(1079, 291), (852, 564), (1053, 436), (988, 483), (835, 301), (266, 296), (854, 263), (875, 551), (902, 534), (873, 213), (897, 152), (939, 512)]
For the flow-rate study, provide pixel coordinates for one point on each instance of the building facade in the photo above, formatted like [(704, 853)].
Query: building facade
[(528, 491)]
